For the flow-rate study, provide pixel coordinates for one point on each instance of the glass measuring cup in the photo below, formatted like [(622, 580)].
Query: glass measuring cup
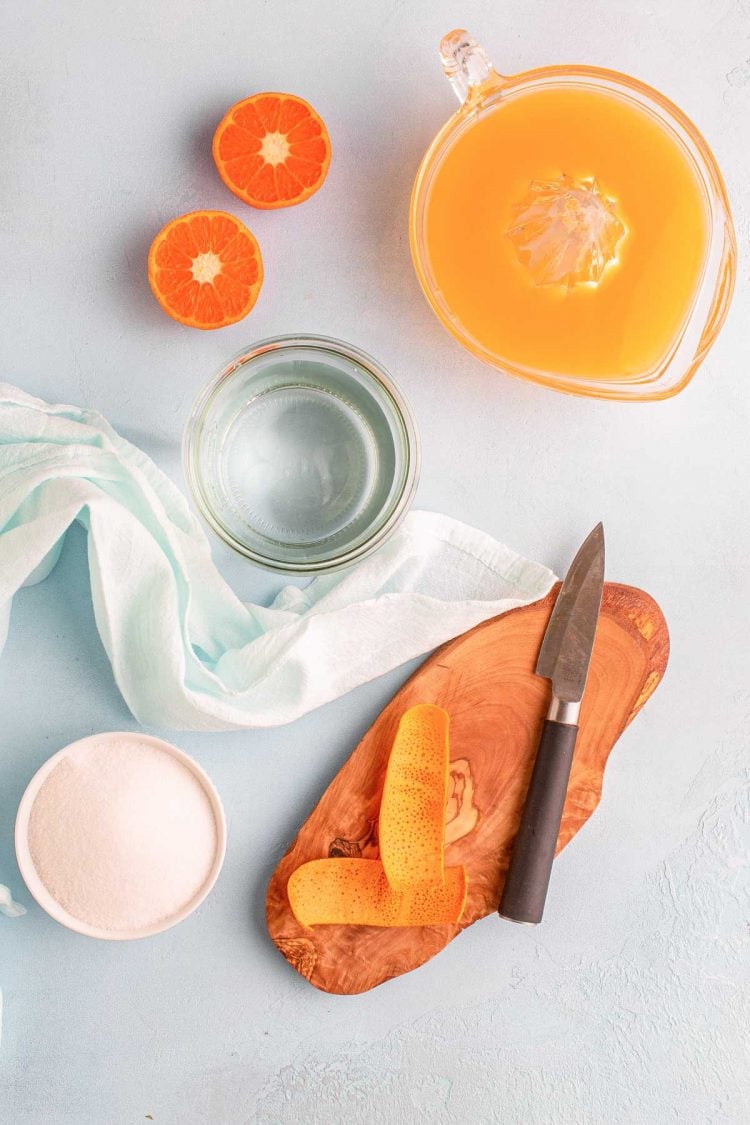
[(569, 225)]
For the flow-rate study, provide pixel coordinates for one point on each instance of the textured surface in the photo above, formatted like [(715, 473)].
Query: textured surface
[(630, 1003)]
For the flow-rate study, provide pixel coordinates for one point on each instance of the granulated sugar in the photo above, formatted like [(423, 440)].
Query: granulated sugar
[(122, 833)]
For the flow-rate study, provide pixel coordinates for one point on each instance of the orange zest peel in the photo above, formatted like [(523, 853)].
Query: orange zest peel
[(409, 885)]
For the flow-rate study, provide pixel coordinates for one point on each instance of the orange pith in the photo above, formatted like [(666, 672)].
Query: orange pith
[(272, 150), (205, 269)]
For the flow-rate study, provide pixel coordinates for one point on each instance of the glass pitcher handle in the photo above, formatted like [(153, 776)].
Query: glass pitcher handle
[(465, 63)]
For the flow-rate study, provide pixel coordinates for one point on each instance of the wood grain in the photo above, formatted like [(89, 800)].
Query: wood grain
[(485, 680)]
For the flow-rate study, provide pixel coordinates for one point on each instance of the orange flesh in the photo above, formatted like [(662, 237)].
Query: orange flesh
[(409, 885), (356, 892), (627, 322), (272, 150), (205, 269), (411, 827)]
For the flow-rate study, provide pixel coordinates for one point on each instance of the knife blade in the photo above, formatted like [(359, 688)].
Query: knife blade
[(564, 658)]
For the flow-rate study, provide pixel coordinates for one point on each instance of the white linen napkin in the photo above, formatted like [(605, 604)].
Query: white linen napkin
[(185, 651)]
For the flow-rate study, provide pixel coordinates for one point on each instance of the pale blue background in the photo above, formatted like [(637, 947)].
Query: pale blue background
[(630, 1004)]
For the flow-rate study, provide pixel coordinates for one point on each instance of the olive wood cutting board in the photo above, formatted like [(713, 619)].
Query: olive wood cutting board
[(485, 680)]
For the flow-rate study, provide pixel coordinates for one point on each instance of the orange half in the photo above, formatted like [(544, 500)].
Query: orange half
[(272, 150), (205, 269)]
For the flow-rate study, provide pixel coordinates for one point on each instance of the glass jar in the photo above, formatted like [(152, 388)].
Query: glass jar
[(301, 454)]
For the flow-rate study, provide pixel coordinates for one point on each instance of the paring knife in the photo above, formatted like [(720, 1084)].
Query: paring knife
[(563, 658)]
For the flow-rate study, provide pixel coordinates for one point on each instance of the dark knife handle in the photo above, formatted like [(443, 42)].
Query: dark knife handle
[(527, 880)]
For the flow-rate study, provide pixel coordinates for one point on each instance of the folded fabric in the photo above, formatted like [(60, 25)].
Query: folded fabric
[(8, 907), (185, 651)]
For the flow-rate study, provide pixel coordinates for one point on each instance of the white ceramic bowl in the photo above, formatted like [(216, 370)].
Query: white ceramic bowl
[(40, 891)]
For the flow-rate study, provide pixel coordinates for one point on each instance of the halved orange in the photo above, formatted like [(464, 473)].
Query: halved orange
[(272, 150), (205, 269)]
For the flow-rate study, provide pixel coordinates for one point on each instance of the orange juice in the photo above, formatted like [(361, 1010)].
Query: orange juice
[(567, 230)]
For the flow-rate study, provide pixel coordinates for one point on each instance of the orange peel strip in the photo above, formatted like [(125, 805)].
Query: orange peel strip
[(411, 828), (356, 892)]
